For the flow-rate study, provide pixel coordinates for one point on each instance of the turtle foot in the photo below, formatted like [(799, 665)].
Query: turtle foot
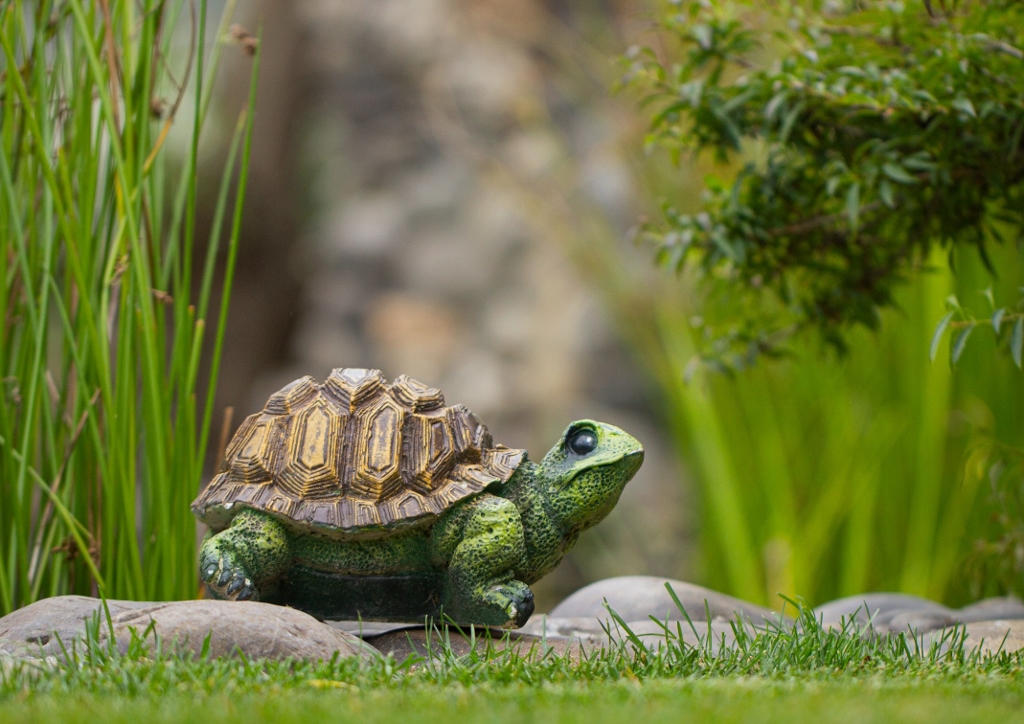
[(225, 577), (506, 605)]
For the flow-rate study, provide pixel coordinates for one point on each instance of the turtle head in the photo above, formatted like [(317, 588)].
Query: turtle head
[(583, 475)]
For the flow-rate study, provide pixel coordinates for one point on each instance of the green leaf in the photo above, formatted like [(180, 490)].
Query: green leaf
[(958, 346), (885, 193), (723, 245), (940, 329), (853, 204), (787, 124), (989, 296), (922, 95), (775, 104), (997, 319), (702, 34), (919, 162), (965, 106), (898, 174), (1017, 341)]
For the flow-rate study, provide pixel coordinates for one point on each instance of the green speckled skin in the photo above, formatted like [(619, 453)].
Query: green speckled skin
[(473, 565)]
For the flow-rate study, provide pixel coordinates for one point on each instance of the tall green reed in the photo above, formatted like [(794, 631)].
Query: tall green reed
[(104, 422), (822, 476)]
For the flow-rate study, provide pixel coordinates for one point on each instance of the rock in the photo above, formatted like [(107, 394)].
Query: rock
[(585, 628), (368, 629), (25, 665), (993, 636), (886, 612), (1001, 608), (711, 635), (917, 622), (987, 637), (651, 634), (39, 628), (255, 630), (430, 643), (636, 598), (9, 664)]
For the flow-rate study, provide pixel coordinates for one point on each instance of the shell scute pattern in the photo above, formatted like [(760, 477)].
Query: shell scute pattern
[(253, 459), (417, 395), (292, 396), (311, 470), (351, 388), (355, 454), (429, 452), (378, 448)]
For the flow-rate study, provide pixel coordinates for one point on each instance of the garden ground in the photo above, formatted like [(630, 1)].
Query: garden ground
[(803, 673), (727, 700)]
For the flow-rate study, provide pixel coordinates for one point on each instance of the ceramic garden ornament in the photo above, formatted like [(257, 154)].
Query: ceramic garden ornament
[(362, 499)]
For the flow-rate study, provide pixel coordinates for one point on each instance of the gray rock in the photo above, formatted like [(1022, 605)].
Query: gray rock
[(1001, 608), (255, 630), (986, 637), (714, 636), (993, 636), (369, 629), (38, 629), (431, 643), (24, 665), (917, 622), (885, 611), (547, 625), (636, 598)]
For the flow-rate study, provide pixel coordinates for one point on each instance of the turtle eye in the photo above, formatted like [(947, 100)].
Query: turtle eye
[(581, 441)]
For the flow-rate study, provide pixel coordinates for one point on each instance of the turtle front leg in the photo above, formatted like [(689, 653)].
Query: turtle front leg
[(246, 559), (482, 541)]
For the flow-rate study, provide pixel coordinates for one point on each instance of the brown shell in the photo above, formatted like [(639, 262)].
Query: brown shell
[(355, 454)]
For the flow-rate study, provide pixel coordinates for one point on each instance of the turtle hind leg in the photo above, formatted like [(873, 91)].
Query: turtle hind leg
[(244, 561), (484, 540)]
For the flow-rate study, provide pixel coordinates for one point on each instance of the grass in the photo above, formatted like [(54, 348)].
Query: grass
[(657, 701), (808, 674), (107, 297), (830, 477)]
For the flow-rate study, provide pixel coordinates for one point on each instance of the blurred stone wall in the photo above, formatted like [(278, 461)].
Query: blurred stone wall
[(401, 146)]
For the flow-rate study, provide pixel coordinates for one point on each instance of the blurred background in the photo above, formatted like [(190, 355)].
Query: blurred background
[(441, 189), (447, 189)]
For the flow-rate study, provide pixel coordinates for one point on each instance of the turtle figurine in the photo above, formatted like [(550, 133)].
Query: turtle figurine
[(357, 498)]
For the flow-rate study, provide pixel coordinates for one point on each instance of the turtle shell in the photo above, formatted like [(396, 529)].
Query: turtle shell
[(355, 455)]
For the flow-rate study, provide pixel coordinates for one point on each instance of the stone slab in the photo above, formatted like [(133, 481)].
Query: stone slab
[(366, 629), (887, 612), (430, 643), (636, 598), (255, 630), (987, 637), (999, 608)]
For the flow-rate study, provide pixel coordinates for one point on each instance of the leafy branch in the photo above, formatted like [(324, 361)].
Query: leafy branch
[(960, 319), (881, 131)]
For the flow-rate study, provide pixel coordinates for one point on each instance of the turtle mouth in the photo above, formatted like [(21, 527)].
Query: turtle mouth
[(633, 462)]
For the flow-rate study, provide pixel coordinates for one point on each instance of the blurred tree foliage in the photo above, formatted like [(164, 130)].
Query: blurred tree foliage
[(867, 134), (861, 143)]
